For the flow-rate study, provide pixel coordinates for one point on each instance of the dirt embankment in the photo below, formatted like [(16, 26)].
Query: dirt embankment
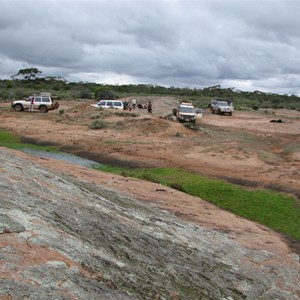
[(69, 232)]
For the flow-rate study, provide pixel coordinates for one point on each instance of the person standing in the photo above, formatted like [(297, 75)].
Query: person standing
[(149, 107), (31, 104), (133, 103)]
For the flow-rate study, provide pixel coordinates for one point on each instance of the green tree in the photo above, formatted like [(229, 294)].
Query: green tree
[(105, 95), (27, 74), (85, 94)]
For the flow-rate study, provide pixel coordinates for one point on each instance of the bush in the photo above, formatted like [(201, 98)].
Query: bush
[(106, 95), (95, 116), (85, 94), (98, 124)]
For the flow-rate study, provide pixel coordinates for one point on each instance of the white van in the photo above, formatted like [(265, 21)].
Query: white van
[(109, 104)]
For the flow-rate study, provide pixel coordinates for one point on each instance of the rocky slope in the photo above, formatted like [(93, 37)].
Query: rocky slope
[(62, 237)]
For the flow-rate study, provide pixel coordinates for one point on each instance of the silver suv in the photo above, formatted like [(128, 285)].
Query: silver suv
[(221, 107), (42, 103)]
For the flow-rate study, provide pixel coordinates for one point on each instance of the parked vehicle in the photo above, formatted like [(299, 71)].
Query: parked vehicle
[(42, 103), (109, 104), (185, 112), (221, 107)]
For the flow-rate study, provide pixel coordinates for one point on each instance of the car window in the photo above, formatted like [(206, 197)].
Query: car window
[(101, 103), (109, 103), (37, 99), (117, 104), (45, 99), (186, 109)]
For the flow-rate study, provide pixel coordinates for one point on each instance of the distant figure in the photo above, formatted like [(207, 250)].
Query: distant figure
[(125, 105), (149, 107), (31, 104), (133, 103)]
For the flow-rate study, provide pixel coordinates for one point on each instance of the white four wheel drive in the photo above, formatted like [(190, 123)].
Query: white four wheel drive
[(109, 104), (221, 107), (42, 103), (186, 112)]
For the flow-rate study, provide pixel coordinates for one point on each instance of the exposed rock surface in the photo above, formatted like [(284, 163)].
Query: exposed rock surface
[(65, 238)]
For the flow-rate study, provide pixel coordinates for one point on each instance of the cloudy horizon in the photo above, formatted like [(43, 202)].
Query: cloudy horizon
[(248, 45)]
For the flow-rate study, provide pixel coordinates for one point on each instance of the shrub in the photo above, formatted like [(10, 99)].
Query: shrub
[(98, 124), (95, 116), (105, 95), (61, 111), (85, 94)]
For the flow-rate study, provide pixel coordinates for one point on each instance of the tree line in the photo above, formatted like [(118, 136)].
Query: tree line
[(27, 82)]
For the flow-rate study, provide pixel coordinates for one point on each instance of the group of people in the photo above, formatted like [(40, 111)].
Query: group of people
[(133, 106)]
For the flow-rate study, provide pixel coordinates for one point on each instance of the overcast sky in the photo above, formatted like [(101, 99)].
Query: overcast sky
[(249, 45)]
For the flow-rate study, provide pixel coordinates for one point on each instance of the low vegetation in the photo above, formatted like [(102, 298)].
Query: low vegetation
[(275, 210), (98, 124), (63, 90), (13, 142)]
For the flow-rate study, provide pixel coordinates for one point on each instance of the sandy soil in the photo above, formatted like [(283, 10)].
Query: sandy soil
[(246, 148)]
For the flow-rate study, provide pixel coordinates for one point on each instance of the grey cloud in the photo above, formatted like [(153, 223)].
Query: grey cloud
[(175, 42)]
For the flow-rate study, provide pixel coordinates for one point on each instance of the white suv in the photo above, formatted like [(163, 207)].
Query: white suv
[(109, 104), (221, 107), (186, 112), (42, 102)]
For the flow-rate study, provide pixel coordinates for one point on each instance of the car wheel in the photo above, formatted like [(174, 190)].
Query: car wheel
[(219, 111), (18, 107), (43, 109)]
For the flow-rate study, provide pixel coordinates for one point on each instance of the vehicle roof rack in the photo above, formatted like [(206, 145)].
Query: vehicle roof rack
[(186, 103), (45, 94)]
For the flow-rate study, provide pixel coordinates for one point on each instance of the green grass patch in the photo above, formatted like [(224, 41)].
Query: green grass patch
[(7, 138), (11, 141), (275, 210)]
